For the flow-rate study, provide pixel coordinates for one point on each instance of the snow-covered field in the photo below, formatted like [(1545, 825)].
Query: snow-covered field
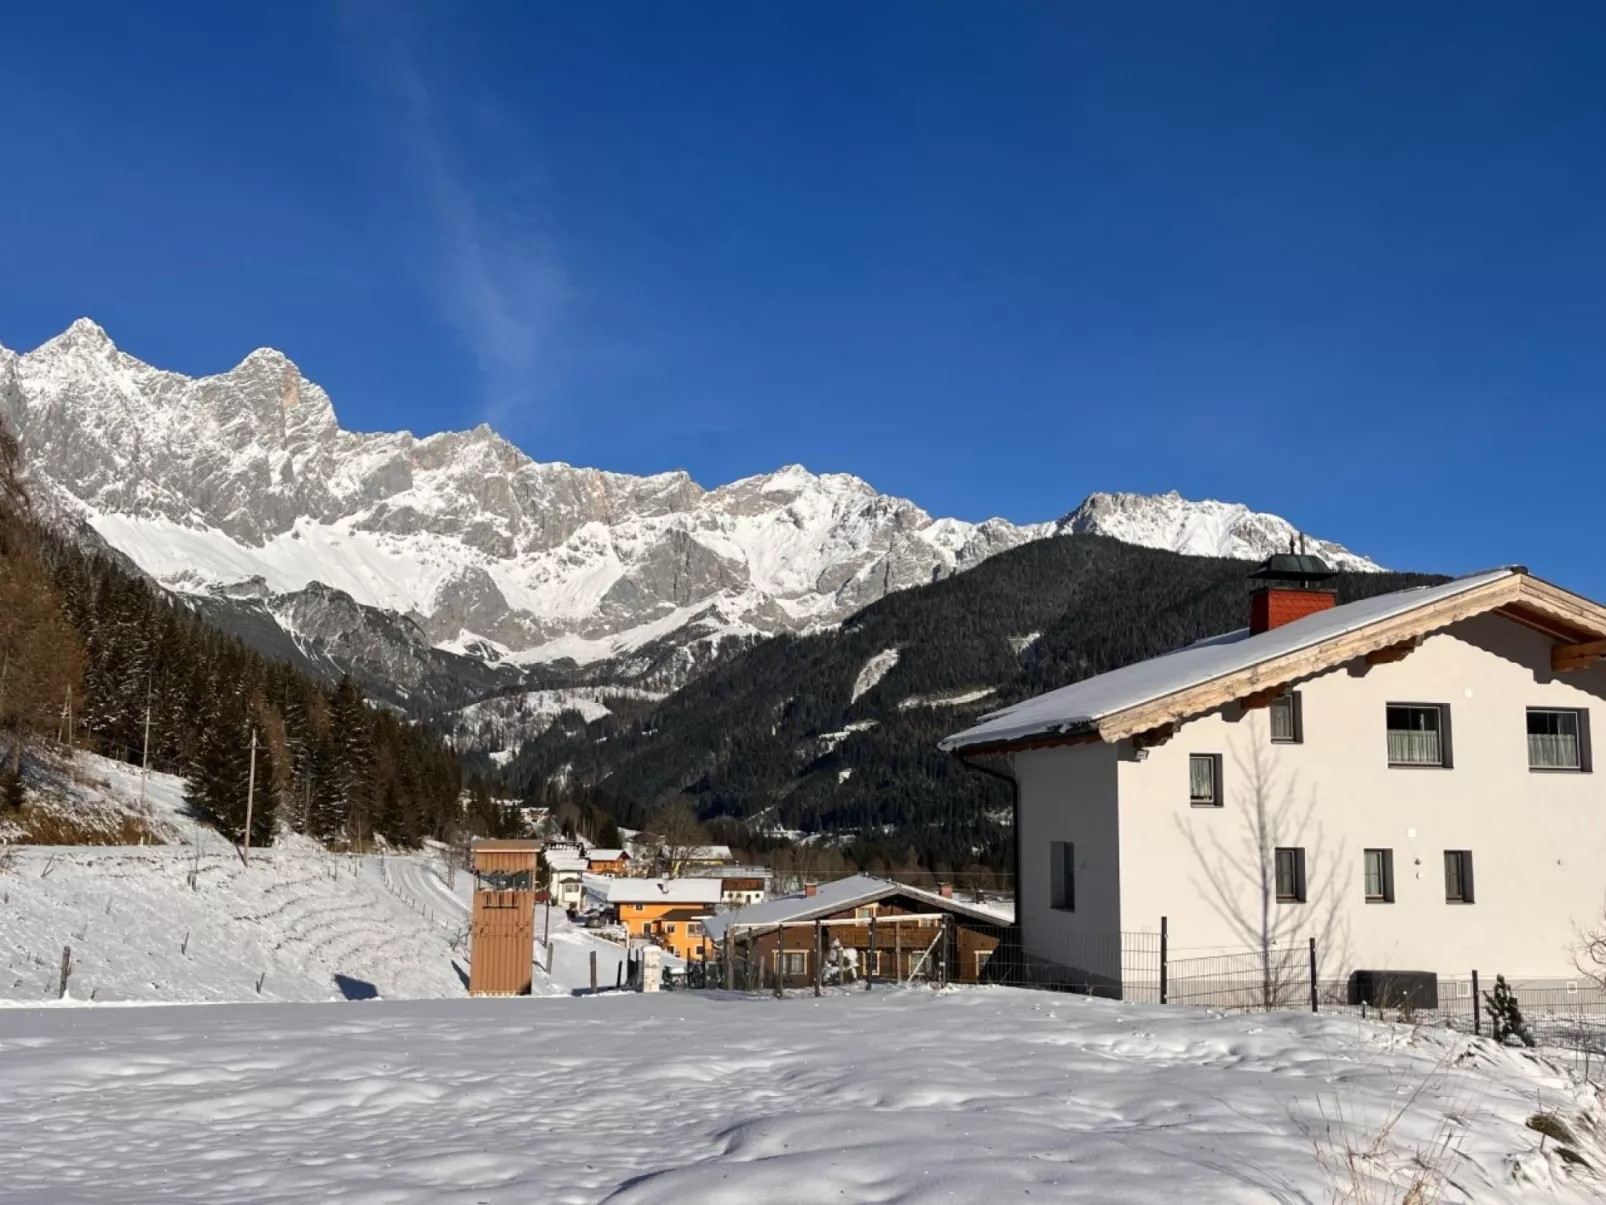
[(298, 923), (976, 1095)]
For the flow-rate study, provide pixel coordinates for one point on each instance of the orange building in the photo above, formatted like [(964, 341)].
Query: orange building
[(667, 912)]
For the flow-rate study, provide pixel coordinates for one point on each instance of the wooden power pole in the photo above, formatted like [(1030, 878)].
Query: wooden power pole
[(250, 796), (145, 761)]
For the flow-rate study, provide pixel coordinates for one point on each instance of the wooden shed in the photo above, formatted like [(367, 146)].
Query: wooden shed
[(502, 952)]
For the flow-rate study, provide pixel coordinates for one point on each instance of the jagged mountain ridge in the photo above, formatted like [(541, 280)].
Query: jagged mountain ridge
[(242, 489)]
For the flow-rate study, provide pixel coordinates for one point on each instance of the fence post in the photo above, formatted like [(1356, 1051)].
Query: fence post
[(818, 958), (66, 971), (1477, 1008), (780, 960), (1313, 975), (593, 972), (869, 957), (730, 958), (1164, 965)]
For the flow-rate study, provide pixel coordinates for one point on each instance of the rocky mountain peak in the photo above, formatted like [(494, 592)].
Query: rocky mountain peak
[(210, 482)]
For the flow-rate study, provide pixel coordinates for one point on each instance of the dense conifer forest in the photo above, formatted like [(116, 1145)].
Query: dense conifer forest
[(88, 650), (773, 738)]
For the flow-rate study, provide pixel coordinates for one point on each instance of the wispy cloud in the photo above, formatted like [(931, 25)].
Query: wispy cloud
[(492, 271)]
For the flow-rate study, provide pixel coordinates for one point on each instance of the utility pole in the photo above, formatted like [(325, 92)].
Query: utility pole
[(145, 761), (250, 796)]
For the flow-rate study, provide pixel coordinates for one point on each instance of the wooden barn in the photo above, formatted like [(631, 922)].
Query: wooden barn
[(852, 929), (502, 950)]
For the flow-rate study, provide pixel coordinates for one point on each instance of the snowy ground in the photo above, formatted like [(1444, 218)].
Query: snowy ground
[(298, 924), (976, 1095)]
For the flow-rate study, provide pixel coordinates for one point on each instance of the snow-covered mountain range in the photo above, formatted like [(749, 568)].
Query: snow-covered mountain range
[(245, 483)]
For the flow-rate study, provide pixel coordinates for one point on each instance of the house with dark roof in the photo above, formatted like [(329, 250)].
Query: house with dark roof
[(853, 928), (1407, 779)]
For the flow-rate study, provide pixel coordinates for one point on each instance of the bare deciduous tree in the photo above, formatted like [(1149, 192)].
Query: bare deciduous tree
[(1238, 873), (680, 835)]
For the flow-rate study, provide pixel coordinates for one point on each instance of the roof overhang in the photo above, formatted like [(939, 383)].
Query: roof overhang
[(1577, 624)]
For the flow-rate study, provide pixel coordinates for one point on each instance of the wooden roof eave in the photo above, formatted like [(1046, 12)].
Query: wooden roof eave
[(1303, 663)]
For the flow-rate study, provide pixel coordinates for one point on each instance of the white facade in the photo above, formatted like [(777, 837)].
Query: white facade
[(1141, 850)]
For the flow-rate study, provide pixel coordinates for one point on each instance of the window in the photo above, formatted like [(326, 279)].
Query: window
[(1062, 874), (640, 907), (1458, 876), (1204, 780), (1287, 720), (1379, 876), (1419, 734), (983, 957), (1557, 739), (1290, 864), (670, 928), (794, 962)]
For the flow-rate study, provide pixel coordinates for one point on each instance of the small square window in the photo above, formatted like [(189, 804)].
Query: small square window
[(1558, 739), (1287, 720), (670, 928), (1418, 734), (1379, 876), (1204, 780), (1458, 876), (795, 962), (1062, 875), (1290, 867)]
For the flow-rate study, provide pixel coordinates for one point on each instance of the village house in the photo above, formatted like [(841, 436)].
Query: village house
[(610, 862), (866, 926), (667, 912), (1408, 779), (739, 885), (565, 870)]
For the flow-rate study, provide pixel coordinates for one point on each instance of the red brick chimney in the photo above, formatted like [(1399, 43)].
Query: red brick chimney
[(947, 890), (1292, 586), (811, 888)]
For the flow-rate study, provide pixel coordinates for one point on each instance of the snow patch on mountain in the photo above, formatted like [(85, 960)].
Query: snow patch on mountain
[(505, 722), (874, 670), (956, 699)]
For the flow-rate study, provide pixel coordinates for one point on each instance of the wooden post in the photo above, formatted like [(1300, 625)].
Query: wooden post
[(1477, 1008), (869, 957), (780, 959), (593, 972), (897, 953), (250, 796), (618, 976), (819, 959), (66, 971), (1313, 975), (942, 965), (1165, 969), (145, 760)]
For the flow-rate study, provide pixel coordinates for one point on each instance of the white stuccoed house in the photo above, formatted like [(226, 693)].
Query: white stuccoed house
[(1407, 778)]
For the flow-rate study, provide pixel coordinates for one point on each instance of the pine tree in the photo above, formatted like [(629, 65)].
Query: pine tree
[(1506, 1021)]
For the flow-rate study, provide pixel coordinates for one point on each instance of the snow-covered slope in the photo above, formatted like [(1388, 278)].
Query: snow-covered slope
[(502, 724), (247, 477), (963, 1097)]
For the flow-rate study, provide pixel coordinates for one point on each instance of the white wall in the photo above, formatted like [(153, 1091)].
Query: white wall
[(1069, 794), (1538, 839)]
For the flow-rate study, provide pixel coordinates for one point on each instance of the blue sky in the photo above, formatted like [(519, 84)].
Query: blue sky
[(1342, 262)]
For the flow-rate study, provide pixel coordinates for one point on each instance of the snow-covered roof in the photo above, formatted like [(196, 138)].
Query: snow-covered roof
[(606, 855), (1082, 704), (833, 897), (564, 859), (664, 891), (709, 853)]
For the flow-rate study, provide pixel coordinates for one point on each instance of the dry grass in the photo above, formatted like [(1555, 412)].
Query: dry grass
[(1366, 1167), (40, 823)]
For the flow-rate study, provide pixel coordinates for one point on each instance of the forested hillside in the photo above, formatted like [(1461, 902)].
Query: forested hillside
[(775, 736), (87, 650)]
